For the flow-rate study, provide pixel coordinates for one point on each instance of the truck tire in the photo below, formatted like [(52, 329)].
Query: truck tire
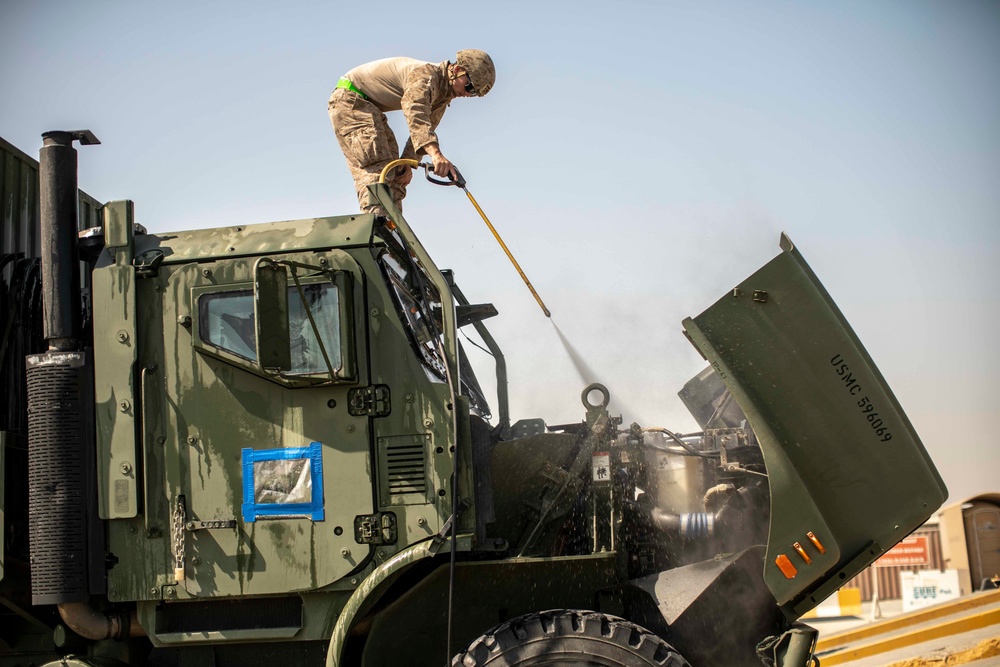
[(569, 637)]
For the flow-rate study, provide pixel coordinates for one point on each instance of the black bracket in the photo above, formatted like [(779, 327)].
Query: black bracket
[(375, 528), (371, 401), (148, 263)]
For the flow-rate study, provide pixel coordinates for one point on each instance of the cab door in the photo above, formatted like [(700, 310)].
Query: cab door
[(266, 468)]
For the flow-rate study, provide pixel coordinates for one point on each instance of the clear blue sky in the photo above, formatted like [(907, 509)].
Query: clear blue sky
[(639, 158)]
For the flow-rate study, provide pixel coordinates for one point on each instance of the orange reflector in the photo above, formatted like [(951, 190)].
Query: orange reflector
[(786, 567), (802, 552), (815, 541)]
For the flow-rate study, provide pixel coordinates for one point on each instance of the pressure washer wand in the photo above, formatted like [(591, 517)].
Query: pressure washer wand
[(460, 182), (504, 246)]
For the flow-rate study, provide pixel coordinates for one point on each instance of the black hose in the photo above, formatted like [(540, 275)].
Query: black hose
[(423, 289), (20, 335), (688, 449)]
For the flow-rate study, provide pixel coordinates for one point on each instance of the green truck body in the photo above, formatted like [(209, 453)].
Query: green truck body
[(279, 451)]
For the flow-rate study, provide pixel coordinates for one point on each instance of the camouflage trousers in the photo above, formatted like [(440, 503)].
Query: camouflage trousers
[(368, 143)]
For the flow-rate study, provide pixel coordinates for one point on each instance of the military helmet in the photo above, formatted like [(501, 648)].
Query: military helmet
[(479, 66)]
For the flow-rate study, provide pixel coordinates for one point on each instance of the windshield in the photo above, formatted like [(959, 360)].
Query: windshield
[(416, 300), (419, 305)]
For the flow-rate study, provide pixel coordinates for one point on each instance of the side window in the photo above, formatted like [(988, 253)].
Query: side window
[(323, 301), (226, 321)]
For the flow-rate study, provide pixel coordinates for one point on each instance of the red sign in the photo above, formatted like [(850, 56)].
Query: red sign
[(912, 550)]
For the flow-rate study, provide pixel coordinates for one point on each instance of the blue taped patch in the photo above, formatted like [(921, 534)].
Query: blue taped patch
[(312, 509)]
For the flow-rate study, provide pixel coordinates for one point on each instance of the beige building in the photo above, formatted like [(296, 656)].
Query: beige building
[(970, 540)]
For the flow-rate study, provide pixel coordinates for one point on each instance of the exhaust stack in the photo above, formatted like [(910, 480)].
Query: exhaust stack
[(60, 402), (57, 175)]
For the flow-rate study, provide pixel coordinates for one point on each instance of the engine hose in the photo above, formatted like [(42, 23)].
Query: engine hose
[(92, 623), (689, 526), (676, 438), (697, 525)]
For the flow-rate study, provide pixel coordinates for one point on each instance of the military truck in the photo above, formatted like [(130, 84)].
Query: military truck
[(265, 442)]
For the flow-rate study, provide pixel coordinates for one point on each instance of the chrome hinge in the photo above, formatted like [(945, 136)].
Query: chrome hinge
[(217, 524)]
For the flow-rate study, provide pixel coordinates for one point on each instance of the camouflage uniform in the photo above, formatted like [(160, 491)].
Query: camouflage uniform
[(420, 89)]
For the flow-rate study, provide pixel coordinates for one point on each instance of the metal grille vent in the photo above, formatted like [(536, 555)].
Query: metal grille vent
[(57, 504), (223, 615), (404, 469)]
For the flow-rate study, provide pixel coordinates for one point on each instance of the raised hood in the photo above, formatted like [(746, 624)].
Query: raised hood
[(849, 477)]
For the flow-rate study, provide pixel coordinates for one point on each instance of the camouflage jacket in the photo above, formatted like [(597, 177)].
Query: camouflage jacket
[(420, 89)]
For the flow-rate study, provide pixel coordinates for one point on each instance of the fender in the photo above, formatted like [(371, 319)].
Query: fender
[(371, 589)]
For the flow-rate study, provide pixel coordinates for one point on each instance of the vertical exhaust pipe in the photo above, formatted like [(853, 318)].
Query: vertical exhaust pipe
[(60, 402), (66, 538), (57, 175)]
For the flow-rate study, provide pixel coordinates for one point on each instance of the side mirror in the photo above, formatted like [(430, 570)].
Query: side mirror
[(270, 302)]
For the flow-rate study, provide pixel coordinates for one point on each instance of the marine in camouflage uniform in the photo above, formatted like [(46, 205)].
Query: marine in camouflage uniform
[(423, 92)]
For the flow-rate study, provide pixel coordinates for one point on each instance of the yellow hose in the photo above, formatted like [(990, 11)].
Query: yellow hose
[(396, 163)]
